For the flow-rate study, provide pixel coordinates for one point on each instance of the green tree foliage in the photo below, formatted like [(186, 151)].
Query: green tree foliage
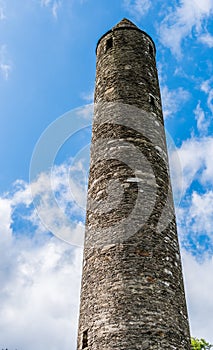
[(200, 344)]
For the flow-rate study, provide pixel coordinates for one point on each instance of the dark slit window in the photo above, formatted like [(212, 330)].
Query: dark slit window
[(85, 340), (152, 100), (109, 44), (150, 49)]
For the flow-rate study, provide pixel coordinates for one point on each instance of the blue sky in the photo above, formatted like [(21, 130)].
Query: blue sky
[(47, 68)]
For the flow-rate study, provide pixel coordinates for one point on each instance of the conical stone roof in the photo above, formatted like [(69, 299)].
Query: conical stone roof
[(125, 23)]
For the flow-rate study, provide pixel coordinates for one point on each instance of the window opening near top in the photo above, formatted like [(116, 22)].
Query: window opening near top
[(150, 49), (85, 339), (109, 44), (152, 100)]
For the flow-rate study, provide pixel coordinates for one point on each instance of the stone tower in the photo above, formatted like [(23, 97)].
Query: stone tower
[(132, 294)]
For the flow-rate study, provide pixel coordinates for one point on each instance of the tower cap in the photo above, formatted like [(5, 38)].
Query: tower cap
[(124, 24)]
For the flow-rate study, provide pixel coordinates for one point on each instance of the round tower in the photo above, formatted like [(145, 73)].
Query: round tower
[(132, 294)]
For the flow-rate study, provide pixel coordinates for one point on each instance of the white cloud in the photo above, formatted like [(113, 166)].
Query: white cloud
[(5, 65), (202, 122), (199, 286), (5, 219), (207, 87), (195, 219), (195, 157), (194, 213), (200, 215), (179, 23), (207, 39), (181, 73), (45, 2), (86, 112), (54, 6), (173, 100), (2, 10), (89, 97), (40, 274), (40, 294), (59, 197), (137, 8), (54, 202), (5, 70), (2, 14)]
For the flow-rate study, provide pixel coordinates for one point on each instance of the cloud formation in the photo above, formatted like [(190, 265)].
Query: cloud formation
[(186, 19), (137, 8), (173, 100), (40, 282), (53, 5), (202, 122), (5, 65), (198, 286), (207, 87), (207, 39), (2, 13), (196, 162), (40, 274)]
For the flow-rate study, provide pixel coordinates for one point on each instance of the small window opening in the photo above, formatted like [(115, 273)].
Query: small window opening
[(85, 340), (109, 44), (150, 49), (152, 100)]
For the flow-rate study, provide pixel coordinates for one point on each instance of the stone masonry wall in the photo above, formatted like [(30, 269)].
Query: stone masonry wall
[(132, 293)]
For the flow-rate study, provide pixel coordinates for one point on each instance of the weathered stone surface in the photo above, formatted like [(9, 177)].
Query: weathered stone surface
[(132, 294)]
